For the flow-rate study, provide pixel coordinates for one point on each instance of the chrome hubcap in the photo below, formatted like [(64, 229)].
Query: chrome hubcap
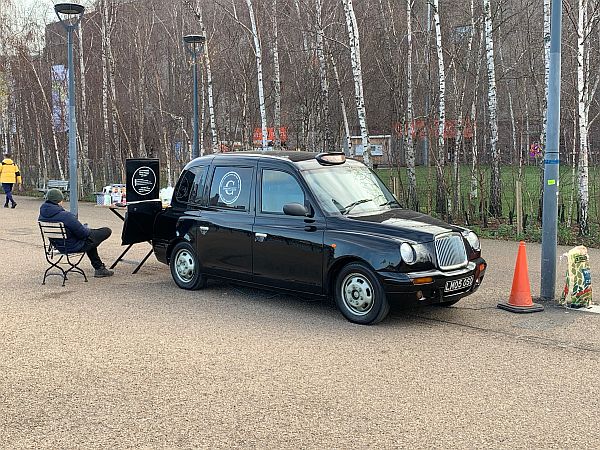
[(184, 266), (357, 293)]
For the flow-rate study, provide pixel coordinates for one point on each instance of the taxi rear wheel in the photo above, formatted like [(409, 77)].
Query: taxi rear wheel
[(359, 294), (185, 267)]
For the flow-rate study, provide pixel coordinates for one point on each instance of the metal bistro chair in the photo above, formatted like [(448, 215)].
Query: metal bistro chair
[(55, 233)]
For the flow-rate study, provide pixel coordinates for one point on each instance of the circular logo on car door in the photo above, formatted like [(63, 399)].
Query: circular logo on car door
[(230, 188)]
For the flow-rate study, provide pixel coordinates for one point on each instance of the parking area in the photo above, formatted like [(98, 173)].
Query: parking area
[(133, 361)]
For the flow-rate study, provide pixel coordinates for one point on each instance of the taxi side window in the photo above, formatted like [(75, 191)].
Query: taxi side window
[(279, 188), (231, 187), (191, 185)]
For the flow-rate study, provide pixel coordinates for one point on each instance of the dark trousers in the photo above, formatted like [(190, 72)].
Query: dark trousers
[(96, 237), (8, 191)]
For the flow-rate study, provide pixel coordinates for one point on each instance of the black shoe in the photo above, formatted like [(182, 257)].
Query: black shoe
[(14, 205), (6, 205), (103, 272)]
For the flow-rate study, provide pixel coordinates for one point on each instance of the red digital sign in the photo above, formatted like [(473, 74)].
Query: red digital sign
[(419, 129), (270, 134)]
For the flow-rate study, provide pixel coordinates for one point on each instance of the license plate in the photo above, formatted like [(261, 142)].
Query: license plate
[(461, 283)]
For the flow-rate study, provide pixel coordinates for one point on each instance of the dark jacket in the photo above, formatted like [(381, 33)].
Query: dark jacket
[(76, 232)]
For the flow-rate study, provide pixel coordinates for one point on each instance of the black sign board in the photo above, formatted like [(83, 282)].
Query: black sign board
[(143, 179)]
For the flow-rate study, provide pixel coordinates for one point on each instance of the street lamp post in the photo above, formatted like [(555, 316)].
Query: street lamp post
[(69, 15), (552, 160), (193, 44)]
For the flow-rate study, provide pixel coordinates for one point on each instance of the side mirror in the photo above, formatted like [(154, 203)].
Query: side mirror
[(295, 209)]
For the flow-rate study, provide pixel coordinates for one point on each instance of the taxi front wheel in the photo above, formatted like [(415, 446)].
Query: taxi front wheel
[(185, 267), (359, 294)]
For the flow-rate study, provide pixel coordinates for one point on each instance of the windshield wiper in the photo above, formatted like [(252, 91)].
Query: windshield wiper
[(350, 207), (391, 202)]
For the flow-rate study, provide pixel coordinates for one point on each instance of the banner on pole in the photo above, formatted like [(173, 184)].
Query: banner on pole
[(60, 98)]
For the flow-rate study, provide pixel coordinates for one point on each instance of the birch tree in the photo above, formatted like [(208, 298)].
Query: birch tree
[(259, 75), (197, 11), (585, 95), (336, 76), (413, 201), (474, 191), (441, 196), (326, 121), (105, 42), (461, 103), (276, 80), (49, 112), (495, 185), (88, 176), (355, 59)]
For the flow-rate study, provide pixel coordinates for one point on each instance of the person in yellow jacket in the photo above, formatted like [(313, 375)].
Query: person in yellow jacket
[(9, 175)]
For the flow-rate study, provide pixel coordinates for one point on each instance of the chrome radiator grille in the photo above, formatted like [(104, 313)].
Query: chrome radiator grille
[(451, 252)]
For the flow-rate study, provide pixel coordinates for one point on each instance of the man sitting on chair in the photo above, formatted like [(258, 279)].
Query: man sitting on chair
[(80, 238)]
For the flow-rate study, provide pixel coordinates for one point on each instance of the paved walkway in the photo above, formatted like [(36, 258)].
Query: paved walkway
[(133, 361)]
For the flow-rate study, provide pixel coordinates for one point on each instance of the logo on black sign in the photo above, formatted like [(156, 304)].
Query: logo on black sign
[(143, 180)]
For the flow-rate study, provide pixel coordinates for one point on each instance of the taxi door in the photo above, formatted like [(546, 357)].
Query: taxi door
[(224, 227), (287, 251)]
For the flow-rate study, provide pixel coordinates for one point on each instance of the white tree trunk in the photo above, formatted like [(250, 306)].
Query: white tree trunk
[(211, 100), (107, 151), (495, 198), (511, 109), (88, 174), (116, 118), (43, 156), (326, 128), (163, 129), (197, 11), (355, 58), (276, 81), (259, 75), (459, 121), (583, 77), (336, 76), (441, 195), (304, 38), (474, 193), (49, 109), (413, 201)]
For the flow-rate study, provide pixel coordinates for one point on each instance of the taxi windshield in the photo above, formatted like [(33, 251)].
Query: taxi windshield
[(349, 189)]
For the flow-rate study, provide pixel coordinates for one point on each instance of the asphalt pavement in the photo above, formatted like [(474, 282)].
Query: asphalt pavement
[(133, 361)]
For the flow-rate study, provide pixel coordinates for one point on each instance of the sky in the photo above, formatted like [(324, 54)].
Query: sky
[(44, 7)]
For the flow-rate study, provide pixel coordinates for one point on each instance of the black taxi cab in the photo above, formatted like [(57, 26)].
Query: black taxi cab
[(318, 224)]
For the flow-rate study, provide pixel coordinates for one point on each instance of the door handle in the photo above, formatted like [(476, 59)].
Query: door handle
[(203, 230), (260, 237)]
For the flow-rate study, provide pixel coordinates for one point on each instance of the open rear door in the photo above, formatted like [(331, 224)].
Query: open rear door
[(139, 221)]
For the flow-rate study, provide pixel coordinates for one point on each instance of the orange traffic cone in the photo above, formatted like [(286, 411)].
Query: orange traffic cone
[(520, 295)]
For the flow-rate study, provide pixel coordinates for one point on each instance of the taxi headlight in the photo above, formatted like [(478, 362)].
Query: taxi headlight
[(473, 241), (408, 253)]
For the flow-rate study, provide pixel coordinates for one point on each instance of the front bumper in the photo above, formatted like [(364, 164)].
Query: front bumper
[(429, 286)]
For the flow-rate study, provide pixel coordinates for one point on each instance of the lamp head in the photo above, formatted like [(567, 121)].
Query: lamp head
[(194, 43), (69, 13), (194, 39)]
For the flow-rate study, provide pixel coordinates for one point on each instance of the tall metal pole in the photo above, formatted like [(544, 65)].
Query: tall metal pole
[(70, 14), (73, 190), (195, 151), (193, 45), (552, 159)]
